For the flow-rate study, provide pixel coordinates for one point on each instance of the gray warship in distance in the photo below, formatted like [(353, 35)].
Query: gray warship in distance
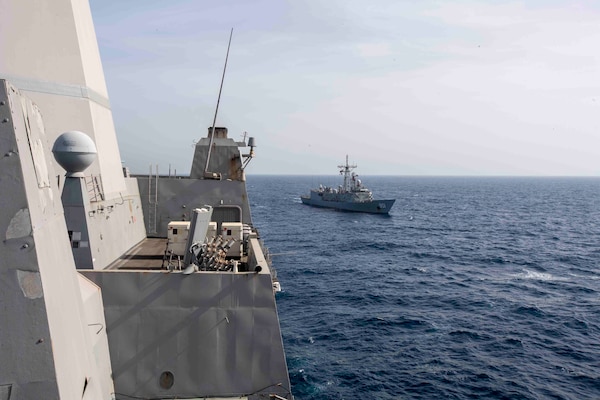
[(351, 196), (114, 286)]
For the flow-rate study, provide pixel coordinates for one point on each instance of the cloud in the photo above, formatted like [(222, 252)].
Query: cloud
[(404, 87), (373, 49)]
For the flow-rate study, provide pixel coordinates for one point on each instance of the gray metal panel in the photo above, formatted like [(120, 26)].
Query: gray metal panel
[(198, 227), (177, 197), (225, 159), (226, 214), (53, 50), (218, 333), (60, 89), (45, 345), (24, 317), (115, 225), (76, 206)]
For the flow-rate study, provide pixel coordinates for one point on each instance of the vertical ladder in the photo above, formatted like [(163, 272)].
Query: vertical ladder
[(94, 188), (152, 200)]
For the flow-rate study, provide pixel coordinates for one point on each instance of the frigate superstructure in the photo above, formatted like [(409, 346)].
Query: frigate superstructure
[(350, 196), (119, 286)]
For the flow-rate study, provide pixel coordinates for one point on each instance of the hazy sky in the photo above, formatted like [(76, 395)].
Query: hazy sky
[(403, 87)]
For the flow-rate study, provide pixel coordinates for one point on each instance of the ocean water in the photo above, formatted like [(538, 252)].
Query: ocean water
[(472, 288)]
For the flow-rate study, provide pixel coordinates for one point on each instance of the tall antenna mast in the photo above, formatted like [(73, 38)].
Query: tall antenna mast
[(212, 131)]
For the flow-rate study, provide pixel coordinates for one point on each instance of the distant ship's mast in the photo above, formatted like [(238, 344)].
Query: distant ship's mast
[(346, 170)]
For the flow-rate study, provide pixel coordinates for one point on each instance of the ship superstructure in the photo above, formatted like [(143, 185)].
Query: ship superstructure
[(116, 286)]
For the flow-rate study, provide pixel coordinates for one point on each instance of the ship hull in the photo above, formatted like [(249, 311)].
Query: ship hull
[(373, 207)]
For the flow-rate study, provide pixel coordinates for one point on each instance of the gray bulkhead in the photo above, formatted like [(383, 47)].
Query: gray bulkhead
[(169, 199), (217, 334), (213, 333), (52, 330)]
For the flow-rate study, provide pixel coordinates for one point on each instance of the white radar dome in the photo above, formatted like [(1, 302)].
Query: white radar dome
[(74, 151)]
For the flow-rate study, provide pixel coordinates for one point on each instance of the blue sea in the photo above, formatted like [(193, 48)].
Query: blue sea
[(471, 288)]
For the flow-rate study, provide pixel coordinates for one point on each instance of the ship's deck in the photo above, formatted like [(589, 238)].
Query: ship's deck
[(148, 254)]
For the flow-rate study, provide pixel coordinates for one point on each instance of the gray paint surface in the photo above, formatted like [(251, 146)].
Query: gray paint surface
[(374, 207), (52, 53), (177, 197), (46, 349), (225, 157), (218, 333), (76, 204)]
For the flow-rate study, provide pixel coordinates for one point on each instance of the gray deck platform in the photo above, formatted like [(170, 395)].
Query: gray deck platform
[(148, 254)]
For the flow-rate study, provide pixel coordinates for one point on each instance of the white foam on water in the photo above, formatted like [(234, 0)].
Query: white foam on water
[(588, 277), (538, 276)]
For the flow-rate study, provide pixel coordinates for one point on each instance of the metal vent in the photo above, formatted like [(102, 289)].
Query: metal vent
[(226, 214)]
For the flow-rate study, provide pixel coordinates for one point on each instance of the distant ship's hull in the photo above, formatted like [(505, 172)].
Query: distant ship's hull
[(374, 207), (351, 196)]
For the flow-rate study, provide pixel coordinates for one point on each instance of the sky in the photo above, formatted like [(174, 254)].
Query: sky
[(401, 87)]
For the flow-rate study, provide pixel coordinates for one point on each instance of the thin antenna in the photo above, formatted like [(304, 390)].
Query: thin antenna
[(212, 132)]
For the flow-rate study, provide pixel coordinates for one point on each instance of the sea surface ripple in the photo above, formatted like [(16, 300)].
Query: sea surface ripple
[(470, 288)]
